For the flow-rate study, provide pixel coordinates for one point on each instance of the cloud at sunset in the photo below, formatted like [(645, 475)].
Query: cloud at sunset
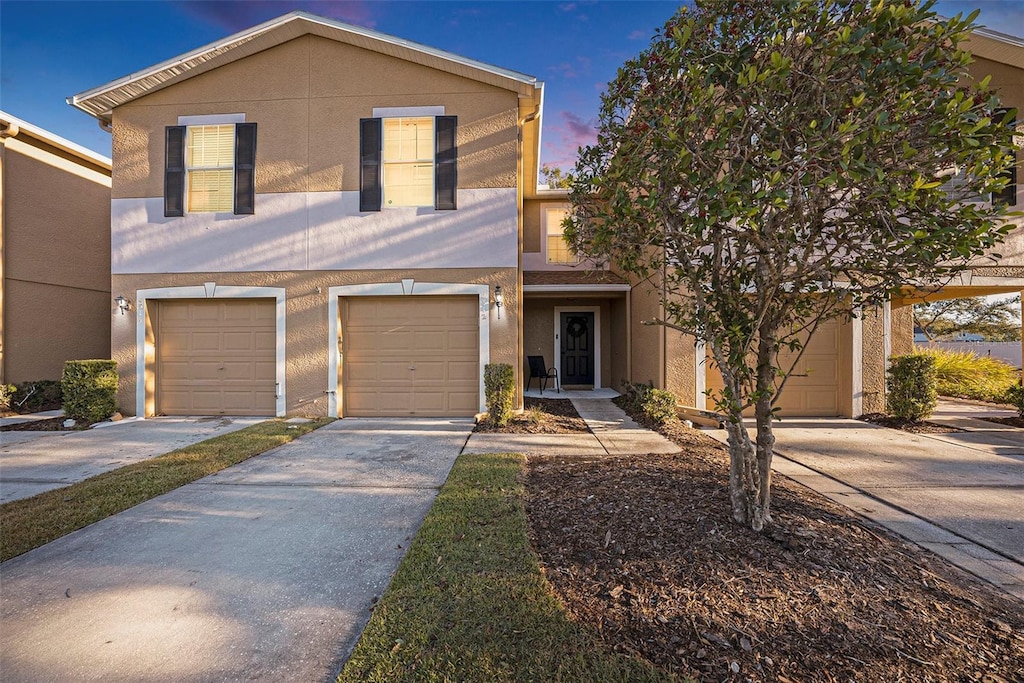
[(565, 132), (237, 16)]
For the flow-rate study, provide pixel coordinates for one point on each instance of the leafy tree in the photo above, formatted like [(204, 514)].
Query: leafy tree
[(555, 177), (773, 165), (994, 319)]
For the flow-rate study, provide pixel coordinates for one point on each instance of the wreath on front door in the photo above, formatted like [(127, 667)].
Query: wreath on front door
[(576, 327)]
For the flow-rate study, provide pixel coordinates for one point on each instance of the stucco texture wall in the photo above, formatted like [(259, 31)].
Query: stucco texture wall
[(307, 96), (56, 250), (307, 343), (539, 333)]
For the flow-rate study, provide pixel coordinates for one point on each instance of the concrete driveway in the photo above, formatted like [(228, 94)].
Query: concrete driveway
[(265, 571), (33, 462)]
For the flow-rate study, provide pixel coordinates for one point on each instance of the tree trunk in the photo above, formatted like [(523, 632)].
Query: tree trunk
[(763, 416)]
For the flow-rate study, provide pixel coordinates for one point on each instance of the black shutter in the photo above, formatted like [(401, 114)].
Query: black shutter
[(174, 171), (245, 168), (1008, 195), (446, 172), (369, 164)]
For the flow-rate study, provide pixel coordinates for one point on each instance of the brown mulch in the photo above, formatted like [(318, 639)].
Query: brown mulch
[(913, 426), (542, 416), (643, 550), (53, 424), (1015, 421)]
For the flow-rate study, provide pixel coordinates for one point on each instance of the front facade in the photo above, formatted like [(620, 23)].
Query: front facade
[(317, 219), (54, 253)]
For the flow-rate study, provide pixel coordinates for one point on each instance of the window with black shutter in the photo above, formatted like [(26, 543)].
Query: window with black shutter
[(245, 168), (446, 177), (174, 171), (210, 168), (369, 164)]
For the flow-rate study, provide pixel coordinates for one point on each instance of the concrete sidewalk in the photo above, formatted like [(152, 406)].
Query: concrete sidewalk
[(265, 571), (612, 432), (33, 462), (959, 495)]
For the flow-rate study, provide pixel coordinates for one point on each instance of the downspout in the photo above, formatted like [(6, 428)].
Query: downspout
[(520, 208), (8, 129), (105, 126)]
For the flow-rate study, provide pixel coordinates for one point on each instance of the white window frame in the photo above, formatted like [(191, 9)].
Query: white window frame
[(548, 234)]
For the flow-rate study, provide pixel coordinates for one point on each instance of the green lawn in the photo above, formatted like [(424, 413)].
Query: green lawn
[(469, 603), (32, 522)]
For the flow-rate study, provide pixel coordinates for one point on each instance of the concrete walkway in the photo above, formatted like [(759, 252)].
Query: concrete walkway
[(33, 462), (612, 432), (265, 571), (958, 495)]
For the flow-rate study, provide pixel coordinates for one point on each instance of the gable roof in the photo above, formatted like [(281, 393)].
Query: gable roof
[(101, 101), (12, 126), (996, 46)]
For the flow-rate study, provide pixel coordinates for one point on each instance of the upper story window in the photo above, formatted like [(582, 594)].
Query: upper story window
[(407, 159), (210, 166), (557, 248)]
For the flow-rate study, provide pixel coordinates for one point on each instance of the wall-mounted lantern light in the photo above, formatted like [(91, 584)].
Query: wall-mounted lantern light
[(123, 304), (498, 299)]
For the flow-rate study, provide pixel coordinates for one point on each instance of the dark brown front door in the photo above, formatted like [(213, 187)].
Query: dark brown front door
[(577, 334)]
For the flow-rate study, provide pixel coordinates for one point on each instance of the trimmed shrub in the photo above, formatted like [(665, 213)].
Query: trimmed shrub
[(499, 392), (32, 397), (90, 389), (657, 404), (6, 392), (1015, 397), (911, 386), (965, 374)]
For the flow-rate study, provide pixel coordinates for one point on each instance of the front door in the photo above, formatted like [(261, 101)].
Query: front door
[(577, 334)]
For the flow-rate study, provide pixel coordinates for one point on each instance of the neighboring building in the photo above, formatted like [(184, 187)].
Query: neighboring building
[(315, 218), (54, 253)]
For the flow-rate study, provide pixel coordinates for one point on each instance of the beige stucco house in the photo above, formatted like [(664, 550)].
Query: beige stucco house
[(314, 218), (54, 252)]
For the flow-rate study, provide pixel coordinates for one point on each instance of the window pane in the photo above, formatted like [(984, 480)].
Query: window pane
[(211, 190), (409, 139), (409, 184), (211, 146), (558, 250)]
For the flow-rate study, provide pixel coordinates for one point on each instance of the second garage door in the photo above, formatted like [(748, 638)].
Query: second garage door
[(416, 355), (216, 357), (814, 388)]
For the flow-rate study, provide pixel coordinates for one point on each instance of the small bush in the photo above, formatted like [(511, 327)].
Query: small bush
[(657, 404), (499, 392), (965, 374), (910, 387), (32, 397), (90, 389), (1015, 397), (6, 393)]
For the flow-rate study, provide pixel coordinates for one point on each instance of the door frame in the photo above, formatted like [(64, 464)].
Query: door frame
[(406, 287), (145, 337), (596, 310)]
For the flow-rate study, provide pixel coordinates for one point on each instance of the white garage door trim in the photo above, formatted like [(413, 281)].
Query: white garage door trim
[(404, 288), (145, 391)]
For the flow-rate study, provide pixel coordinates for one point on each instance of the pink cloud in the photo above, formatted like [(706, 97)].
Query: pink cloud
[(237, 16), (568, 132), (565, 70)]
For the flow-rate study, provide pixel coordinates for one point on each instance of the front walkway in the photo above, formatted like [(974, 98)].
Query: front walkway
[(959, 495), (612, 432)]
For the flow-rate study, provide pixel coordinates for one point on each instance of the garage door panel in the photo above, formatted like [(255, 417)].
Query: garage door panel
[(216, 357), (410, 356)]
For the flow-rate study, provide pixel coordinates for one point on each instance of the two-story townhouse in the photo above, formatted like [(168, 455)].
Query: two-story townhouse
[(54, 252), (314, 218), (310, 217)]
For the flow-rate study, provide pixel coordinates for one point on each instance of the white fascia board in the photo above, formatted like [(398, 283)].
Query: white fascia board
[(56, 140)]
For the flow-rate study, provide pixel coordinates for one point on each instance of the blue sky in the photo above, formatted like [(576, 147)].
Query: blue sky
[(50, 50)]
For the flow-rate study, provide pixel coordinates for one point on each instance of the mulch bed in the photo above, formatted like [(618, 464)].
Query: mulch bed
[(913, 426), (542, 416), (1015, 421), (643, 550), (53, 424)]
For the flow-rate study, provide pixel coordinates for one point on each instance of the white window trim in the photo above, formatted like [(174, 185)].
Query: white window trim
[(208, 120), (407, 287), (433, 157), (145, 391), (596, 310)]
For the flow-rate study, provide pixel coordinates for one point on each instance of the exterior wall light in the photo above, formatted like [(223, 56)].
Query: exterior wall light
[(498, 299), (123, 304)]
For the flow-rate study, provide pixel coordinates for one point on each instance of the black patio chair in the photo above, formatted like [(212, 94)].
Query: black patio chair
[(540, 370)]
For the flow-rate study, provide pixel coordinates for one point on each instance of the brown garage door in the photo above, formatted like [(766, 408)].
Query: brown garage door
[(216, 357), (416, 355), (814, 388)]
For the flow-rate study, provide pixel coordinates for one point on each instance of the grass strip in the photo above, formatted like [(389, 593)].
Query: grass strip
[(31, 522), (469, 602)]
